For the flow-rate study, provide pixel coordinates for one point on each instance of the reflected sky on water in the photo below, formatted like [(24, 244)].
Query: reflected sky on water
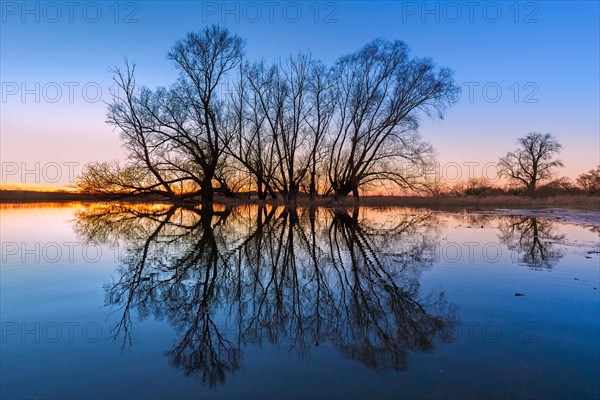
[(153, 300)]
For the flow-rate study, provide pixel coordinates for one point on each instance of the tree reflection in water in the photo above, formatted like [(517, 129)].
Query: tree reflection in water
[(533, 240), (249, 275)]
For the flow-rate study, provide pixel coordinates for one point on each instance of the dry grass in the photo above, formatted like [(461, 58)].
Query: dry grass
[(578, 201), (584, 202)]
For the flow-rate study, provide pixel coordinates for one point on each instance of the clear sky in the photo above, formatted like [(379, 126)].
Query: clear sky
[(523, 66)]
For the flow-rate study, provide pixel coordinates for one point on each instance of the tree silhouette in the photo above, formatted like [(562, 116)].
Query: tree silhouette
[(532, 162), (590, 181), (379, 92), (280, 128)]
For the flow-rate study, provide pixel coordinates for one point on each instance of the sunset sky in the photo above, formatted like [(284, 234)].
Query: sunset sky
[(542, 56)]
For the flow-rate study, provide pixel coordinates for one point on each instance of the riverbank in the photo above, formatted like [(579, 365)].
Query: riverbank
[(580, 202)]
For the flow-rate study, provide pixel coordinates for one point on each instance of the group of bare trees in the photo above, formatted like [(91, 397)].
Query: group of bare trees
[(279, 129), (290, 126), (590, 181)]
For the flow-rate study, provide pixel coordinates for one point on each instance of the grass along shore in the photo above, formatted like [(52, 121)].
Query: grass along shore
[(576, 201)]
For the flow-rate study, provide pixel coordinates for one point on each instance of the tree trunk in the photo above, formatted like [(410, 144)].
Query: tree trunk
[(206, 191), (530, 190), (313, 186), (355, 194), (271, 192), (341, 192), (259, 188), (292, 195), (265, 188)]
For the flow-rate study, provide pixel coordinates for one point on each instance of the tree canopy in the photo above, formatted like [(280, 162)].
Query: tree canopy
[(533, 161)]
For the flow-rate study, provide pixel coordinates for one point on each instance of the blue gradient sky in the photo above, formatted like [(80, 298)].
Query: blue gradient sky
[(548, 50)]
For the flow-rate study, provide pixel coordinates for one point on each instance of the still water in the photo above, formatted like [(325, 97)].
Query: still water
[(154, 301)]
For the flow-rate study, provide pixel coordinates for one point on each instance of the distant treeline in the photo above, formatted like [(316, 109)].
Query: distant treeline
[(31, 196), (586, 184)]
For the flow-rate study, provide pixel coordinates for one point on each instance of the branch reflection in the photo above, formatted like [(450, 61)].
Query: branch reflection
[(533, 240), (233, 277)]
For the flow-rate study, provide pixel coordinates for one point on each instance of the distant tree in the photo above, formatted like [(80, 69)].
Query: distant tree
[(590, 181), (480, 187), (558, 186), (435, 185), (532, 162)]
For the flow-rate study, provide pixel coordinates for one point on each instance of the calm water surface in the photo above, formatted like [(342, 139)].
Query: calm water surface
[(152, 301)]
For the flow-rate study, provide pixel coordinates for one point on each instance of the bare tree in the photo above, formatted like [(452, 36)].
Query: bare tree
[(281, 92), (175, 136), (144, 171), (291, 137), (590, 181), (532, 162), (319, 117), (251, 145), (204, 59), (379, 92)]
